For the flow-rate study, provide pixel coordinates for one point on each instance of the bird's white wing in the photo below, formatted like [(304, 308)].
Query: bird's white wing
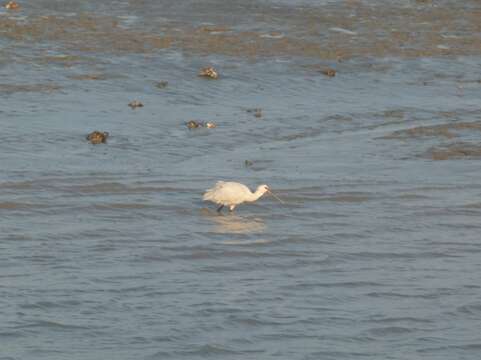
[(211, 194), (226, 193)]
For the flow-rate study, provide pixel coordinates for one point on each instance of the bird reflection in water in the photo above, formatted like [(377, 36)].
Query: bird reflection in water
[(234, 224)]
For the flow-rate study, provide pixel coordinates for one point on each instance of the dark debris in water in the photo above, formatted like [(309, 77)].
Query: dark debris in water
[(162, 84), (135, 104), (257, 165), (256, 111), (98, 137), (209, 72), (12, 5), (193, 124), (329, 72)]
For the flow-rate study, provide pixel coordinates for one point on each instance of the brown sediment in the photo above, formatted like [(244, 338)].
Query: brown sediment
[(454, 151), (331, 32), (14, 88), (448, 131), (473, 206), (378, 31), (438, 130), (83, 33), (247, 44), (338, 117), (214, 29), (11, 205), (89, 77), (410, 196), (65, 60), (307, 133), (395, 113)]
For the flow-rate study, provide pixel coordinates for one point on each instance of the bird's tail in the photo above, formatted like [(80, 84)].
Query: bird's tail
[(209, 194)]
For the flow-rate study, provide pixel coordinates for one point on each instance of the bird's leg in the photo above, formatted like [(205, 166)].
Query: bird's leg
[(231, 208), (220, 208)]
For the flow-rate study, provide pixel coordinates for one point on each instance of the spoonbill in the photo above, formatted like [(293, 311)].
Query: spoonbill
[(232, 194)]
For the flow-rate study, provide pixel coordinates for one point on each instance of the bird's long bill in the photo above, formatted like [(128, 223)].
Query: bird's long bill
[(274, 195)]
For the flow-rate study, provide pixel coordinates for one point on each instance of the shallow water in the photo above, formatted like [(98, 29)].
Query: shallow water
[(107, 251)]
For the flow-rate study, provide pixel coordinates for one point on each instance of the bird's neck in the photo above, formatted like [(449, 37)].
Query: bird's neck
[(256, 195)]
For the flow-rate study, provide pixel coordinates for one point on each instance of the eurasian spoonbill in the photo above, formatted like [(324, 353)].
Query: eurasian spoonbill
[(232, 194)]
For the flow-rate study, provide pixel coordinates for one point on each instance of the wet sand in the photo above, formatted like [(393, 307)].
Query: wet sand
[(336, 31)]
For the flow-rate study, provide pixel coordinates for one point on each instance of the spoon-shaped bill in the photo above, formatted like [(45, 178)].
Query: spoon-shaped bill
[(275, 196)]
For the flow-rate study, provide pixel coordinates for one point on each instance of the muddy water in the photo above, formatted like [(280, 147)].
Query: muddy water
[(107, 251)]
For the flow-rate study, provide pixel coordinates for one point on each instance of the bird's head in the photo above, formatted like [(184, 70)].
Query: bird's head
[(263, 189)]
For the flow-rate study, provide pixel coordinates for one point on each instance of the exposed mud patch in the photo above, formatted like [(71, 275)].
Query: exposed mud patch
[(87, 33), (361, 30), (454, 151), (15, 88), (326, 32), (448, 131), (89, 77), (63, 60)]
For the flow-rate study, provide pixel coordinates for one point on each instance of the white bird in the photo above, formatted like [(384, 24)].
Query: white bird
[(232, 194)]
